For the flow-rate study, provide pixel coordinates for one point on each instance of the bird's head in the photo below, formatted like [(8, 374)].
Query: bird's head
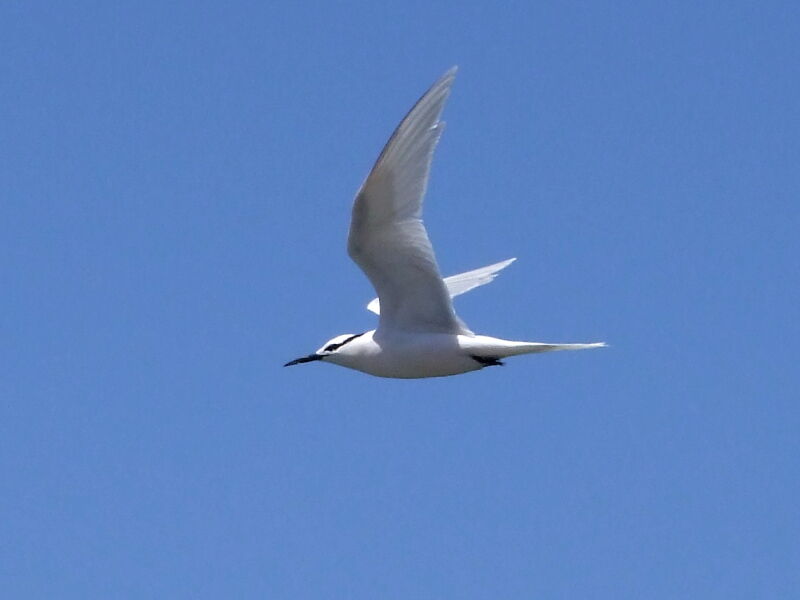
[(329, 348)]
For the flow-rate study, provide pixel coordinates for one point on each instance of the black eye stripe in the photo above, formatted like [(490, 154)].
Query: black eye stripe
[(334, 347)]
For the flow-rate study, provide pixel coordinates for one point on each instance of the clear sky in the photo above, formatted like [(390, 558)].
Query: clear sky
[(176, 184)]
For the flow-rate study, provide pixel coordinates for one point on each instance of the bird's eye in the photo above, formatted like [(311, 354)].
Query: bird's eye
[(331, 347)]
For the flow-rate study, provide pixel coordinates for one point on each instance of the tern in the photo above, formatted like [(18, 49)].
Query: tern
[(418, 334)]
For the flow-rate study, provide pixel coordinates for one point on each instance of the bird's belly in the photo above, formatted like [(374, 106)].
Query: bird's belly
[(411, 361)]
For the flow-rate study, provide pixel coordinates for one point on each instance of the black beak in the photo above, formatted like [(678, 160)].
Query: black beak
[(305, 359)]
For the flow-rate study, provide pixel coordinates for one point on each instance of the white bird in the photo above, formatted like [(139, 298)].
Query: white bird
[(419, 334)]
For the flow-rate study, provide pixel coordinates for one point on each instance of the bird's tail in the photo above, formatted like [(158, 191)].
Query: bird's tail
[(534, 347), (486, 346)]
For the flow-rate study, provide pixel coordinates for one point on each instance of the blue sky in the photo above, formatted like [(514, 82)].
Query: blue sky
[(176, 186)]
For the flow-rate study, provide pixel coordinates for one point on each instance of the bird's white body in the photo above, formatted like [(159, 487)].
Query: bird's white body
[(406, 355), (419, 334)]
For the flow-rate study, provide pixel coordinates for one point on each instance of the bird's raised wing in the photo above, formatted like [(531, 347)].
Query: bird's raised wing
[(461, 283), (387, 237)]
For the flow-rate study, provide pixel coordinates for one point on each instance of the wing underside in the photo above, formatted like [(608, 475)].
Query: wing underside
[(387, 237)]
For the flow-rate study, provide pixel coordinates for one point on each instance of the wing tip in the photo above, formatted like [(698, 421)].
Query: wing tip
[(499, 266), (374, 306), (447, 78)]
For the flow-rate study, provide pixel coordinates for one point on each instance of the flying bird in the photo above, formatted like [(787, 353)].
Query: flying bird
[(419, 334)]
